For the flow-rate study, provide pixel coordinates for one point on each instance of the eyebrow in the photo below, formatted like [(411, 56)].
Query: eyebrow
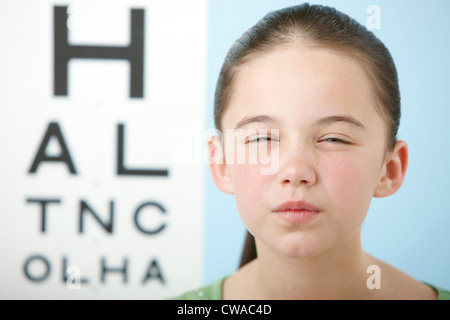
[(342, 118), (323, 121), (252, 119)]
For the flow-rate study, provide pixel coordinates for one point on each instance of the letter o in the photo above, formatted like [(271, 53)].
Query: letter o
[(32, 277)]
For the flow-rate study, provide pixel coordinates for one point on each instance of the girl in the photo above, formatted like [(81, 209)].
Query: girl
[(309, 106)]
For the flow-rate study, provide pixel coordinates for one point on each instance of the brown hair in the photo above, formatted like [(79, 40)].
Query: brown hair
[(315, 26)]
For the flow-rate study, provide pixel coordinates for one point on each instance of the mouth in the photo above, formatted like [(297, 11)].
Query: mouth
[(296, 212)]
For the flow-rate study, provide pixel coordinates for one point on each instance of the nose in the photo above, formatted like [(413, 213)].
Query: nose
[(298, 170)]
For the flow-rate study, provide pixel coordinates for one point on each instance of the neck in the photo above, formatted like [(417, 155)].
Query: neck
[(336, 273)]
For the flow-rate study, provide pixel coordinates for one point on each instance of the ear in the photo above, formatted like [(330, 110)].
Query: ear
[(218, 167), (394, 171)]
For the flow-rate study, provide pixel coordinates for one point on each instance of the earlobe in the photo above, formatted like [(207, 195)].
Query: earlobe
[(394, 171), (218, 167)]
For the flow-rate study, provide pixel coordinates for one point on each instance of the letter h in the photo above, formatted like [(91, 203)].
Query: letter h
[(63, 52)]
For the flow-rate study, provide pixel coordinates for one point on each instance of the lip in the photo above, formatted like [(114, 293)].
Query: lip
[(296, 211)]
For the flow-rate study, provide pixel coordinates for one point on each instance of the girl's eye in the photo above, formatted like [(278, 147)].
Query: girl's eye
[(335, 140), (264, 139)]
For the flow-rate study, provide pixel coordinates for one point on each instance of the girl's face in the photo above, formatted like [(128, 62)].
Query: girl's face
[(311, 111)]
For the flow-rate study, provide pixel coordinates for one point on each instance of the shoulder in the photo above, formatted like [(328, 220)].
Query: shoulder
[(212, 291), (398, 285)]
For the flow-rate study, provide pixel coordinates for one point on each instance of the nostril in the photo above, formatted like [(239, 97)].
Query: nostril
[(297, 173), (289, 181)]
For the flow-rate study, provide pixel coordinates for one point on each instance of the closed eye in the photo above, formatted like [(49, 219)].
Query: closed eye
[(335, 140), (259, 139)]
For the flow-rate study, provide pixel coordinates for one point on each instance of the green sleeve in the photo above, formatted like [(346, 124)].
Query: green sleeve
[(210, 292), (443, 294)]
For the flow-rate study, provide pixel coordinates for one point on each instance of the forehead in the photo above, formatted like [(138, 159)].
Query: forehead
[(302, 83)]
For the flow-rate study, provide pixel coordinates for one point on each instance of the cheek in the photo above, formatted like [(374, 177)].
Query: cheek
[(350, 181), (251, 169), (342, 178), (249, 189)]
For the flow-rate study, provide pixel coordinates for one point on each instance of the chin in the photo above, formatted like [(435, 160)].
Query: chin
[(298, 246)]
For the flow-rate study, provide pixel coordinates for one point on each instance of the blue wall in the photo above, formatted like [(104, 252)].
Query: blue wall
[(411, 229)]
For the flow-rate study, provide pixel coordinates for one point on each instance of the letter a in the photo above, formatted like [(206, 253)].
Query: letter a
[(374, 281), (53, 131), (374, 21)]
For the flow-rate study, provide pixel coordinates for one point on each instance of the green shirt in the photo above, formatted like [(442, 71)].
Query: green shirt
[(214, 292), (211, 292)]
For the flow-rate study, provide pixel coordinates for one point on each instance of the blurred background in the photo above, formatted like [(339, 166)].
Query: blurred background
[(106, 107)]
